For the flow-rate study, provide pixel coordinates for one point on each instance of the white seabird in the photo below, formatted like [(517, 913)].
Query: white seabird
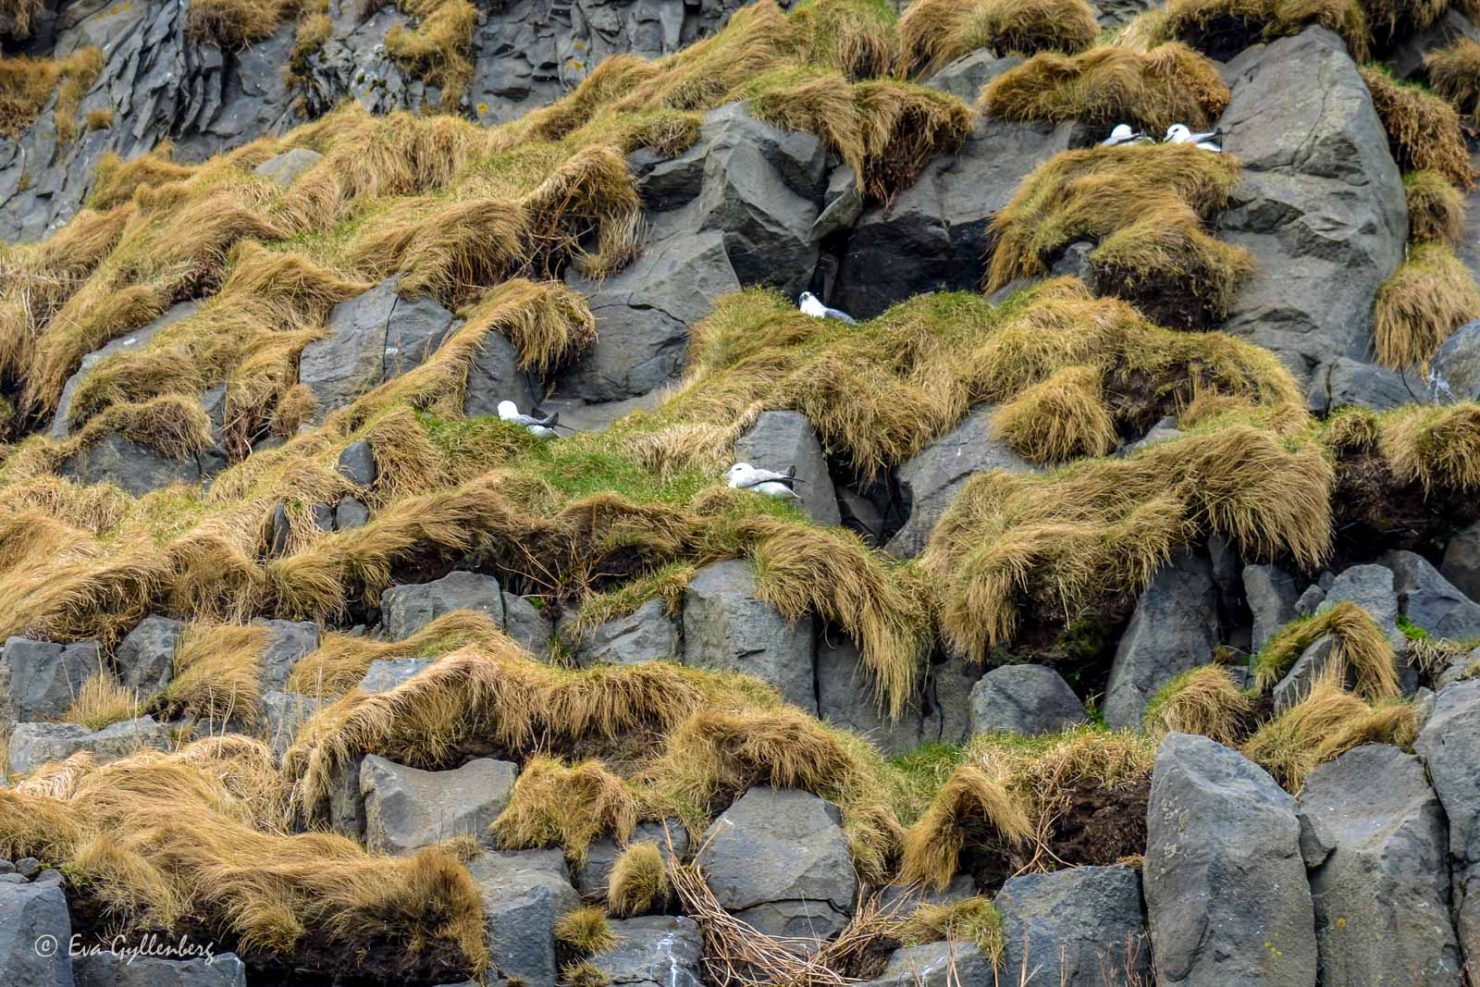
[(1178, 133), (743, 476), (540, 428), (1123, 135), (810, 305)]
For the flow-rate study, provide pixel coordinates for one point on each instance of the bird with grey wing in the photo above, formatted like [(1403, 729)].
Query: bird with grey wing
[(811, 305), (540, 428), (1124, 135), (1179, 133), (743, 476)]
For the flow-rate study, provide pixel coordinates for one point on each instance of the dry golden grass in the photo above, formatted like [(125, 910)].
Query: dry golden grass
[(103, 700), (1064, 542), (568, 806), (1145, 207), (1454, 72), (27, 83), (117, 181), (156, 837), (1225, 26), (1060, 418), (1437, 448), (585, 930), (1361, 647), (1204, 700), (972, 807), (1326, 724), (638, 882), (1436, 209), (1421, 305), (231, 24), (1423, 130), (342, 660), (1152, 90), (217, 672), (439, 50), (971, 920), (934, 32), (19, 13)]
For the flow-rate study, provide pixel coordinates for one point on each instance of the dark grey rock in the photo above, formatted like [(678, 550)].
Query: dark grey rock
[(601, 856), (936, 964), (1375, 838), (842, 203), (1309, 668), (282, 715), (1429, 600), (407, 808), (1371, 588), (653, 951), (1173, 629), (357, 463), (848, 697), (130, 466), (524, 894), (1406, 58), (1226, 893), (1271, 595), (38, 678), (494, 376), (1028, 699), (385, 674), (933, 236), (778, 859), (726, 628), (284, 169), (121, 970), (966, 76), (646, 634), (1342, 382), (931, 480), (407, 609), (528, 625), (29, 912), (1310, 600), (350, 514), (1454, 370), (948, 687), (34, 744), (290, 641), (1079, 927), (781, 440), (1320, 205), (1450, 748), (146, 655), (1461, 564)]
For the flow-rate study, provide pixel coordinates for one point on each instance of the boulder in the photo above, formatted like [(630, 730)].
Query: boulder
[(965, 77), (290, 641), (134, 467), (132, 342), (524, 894), (931, 480), (646, 634), (372, 338), (38, 678), (1309, 668), (952, 963), (601, 856), (1375, 839), (1310, 599), (408, 608), (653, 951), (1078, 927), (1027, 699), (407, 808), (778, 859), (1449, 745), (357, 463), (35, 934), (350, 514), (1320, 203), (283, 713), (384, 674), (948, 687), (34, 744), (528, 625), (1271, 594), (934, 235), (727, 628), (146, 655), (1342, 382), (285, 168), (1173, 629), (847, 697), (1429, 600), (1454, 369), (1370, 587), (781, 440), (494, 375), (1461, 565), (1226, 893), (842, 203), (121, 970)]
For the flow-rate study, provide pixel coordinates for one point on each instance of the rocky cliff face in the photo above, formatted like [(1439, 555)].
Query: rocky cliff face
[(1110, 611)]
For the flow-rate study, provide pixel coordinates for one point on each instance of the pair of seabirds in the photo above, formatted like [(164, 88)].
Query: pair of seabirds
[(741, 476), (1178, 133)]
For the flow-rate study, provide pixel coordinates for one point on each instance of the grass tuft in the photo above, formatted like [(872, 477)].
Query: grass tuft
[(1203, 700), (1325, 725), (1423, 130), (1361, 646), (1421, 305), (934, 32), (1436, 209), (638, 882)]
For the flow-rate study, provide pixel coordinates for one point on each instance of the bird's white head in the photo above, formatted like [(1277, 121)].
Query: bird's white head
[(507, 410), (1122, 132), (738, 470), (1178, 133), (806, 297)]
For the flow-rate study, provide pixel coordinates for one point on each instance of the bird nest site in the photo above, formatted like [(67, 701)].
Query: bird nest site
[(433, 546)]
